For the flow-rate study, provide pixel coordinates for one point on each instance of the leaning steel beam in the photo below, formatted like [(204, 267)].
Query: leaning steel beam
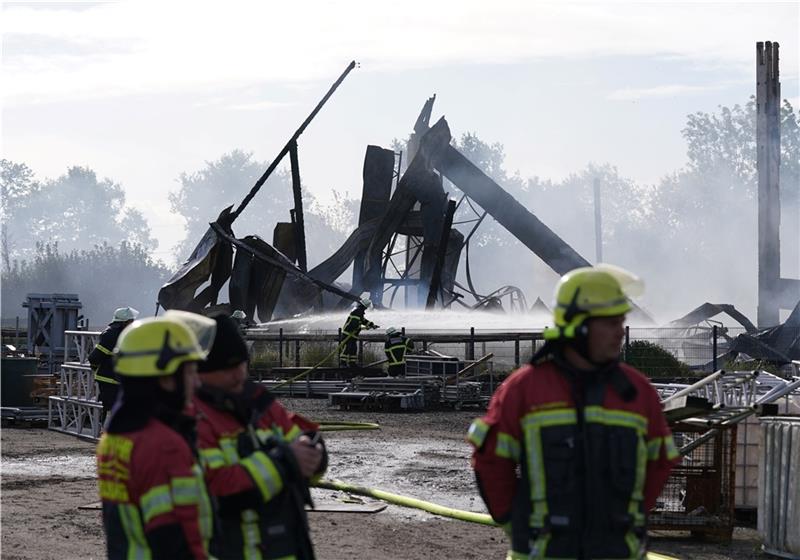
[(503, 207), (509, 213), (292, 142)]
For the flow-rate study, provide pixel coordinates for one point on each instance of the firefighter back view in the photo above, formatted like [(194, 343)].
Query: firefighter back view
[(396, 346), (585, 431), (101, 356), (154, 499)]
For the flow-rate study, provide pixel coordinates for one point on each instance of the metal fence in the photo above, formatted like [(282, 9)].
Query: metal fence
[(270, 350), (658, 352)]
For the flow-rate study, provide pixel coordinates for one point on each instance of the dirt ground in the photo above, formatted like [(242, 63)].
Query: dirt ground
[(47, 476)]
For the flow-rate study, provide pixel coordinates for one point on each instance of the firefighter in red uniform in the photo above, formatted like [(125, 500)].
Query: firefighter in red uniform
[(258, 458), (155, 504), (575, 449)]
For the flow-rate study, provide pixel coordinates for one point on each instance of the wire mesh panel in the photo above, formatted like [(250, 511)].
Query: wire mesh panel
[(664, 352), (699, 494)]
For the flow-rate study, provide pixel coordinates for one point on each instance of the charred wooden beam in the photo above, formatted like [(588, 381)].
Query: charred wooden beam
[(436, 277), (410, 189), (297, 212), (378, 174)]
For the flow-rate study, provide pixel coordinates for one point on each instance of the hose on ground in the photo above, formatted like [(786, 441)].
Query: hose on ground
[(406, 501), (397, 499), (341, 426)]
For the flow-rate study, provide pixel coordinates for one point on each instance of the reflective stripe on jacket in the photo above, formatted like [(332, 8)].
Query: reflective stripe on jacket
[(395, 347), (101, 357), (354, 322), (258, 519), (149, 479), (590, 470)]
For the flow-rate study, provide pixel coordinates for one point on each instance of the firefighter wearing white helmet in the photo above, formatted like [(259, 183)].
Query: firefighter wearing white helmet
[(155, 503), (101, 357), (585, 431), (396, 346), (348, 355)]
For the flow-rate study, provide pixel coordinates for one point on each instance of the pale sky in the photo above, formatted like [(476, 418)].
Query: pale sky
[(142, 91)]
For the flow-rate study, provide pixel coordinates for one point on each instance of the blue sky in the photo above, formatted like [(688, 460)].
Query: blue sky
[(141, 91)]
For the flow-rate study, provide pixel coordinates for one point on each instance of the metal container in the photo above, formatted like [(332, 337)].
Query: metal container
[(779, 486), (18, 374)]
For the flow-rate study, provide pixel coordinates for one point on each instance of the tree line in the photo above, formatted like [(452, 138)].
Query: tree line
[(693, 235)]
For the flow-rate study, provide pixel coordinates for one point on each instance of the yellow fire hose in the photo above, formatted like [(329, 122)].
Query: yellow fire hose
[(405, 501), (397, 499), (342, 425)]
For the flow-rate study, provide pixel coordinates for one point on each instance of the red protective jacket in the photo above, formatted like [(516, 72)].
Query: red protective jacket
[(155, 503), (588, 471), (256, 487)]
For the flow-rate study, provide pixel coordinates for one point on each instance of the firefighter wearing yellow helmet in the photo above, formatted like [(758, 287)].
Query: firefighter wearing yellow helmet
[(154, 499), (586, 432)]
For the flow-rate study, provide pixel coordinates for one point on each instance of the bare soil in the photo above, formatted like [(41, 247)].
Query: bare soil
[(46, 476)]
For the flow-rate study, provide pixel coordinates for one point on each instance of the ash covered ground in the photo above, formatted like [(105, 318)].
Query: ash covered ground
[(47, 476)]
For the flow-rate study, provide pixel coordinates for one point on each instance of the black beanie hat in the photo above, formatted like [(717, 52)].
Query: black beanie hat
[(229, 348)]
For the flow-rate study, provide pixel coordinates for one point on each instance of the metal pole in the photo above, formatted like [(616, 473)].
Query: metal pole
[(297, 353), (627, 342), (339, 346), (472, 343), (714, 348), (516, 352), (598, 225), (695, 386), (280, 347)]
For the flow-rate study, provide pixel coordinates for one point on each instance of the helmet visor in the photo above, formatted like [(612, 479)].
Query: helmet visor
[(202, 327), (631, 285)]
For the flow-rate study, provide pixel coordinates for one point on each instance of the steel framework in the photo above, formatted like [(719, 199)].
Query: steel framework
[(76, 409)]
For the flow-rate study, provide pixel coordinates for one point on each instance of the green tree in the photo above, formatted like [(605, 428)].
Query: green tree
[(226, 181), (74, 211)]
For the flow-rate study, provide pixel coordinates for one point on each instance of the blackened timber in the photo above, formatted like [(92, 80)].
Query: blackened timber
[(436, 277), (455, 244), (283, 239), (297, 215), (433, 205), (211, 258), (378, 174), (331, 268), (283, 263), (419, 173)]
